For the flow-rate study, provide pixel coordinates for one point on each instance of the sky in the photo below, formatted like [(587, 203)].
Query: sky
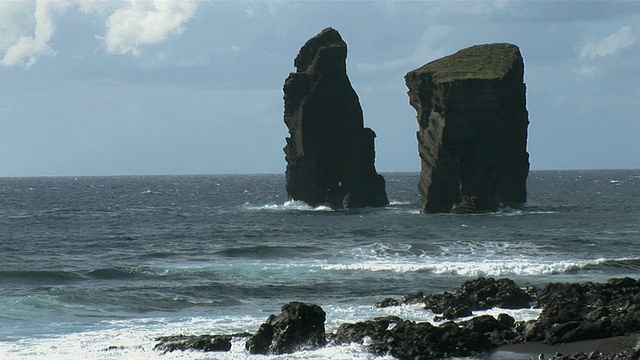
[(188, 87)]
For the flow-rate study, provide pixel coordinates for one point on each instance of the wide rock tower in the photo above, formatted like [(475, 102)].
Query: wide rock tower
[(330, 154), (472, 137)]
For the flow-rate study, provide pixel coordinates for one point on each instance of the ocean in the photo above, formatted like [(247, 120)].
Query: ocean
[(98, 267)]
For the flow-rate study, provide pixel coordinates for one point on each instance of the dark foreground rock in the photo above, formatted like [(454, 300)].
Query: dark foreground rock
[(405, 339), (299, 326), (195, 342), (472, 136), (621, 354), (473, 295), (612, 348), (330, 154), (571, 313), (629, 354)]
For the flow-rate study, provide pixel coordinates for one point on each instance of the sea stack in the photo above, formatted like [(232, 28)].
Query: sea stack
[(330, 154), (472, 137)]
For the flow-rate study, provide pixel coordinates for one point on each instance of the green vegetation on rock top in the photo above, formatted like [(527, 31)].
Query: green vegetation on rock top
[(484, 62)]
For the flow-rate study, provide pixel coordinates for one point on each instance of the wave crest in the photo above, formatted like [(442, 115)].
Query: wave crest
[(475, 268)]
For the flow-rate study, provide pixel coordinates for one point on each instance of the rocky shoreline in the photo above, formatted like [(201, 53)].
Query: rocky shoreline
[(571, 313)]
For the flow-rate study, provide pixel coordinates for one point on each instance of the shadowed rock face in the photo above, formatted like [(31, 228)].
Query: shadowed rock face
[(472, 137), (329, 153), (299, 326)]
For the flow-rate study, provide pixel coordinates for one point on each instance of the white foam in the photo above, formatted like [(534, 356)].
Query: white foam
[(395, 203), (128, 339), (301, 205), (337, 315), (464, 258), (518, 212), (468, 267), (517, 314), (288, 206), (333, 352)]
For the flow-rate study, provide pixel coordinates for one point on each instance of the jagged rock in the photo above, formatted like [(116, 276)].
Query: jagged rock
[(299, 326), (485, 293), (573, 312), (357, 332), (478, 294), (598, 355), (330, 154), (570, 312), (405, 339), (194, 342), (387, 302), (472, 137)]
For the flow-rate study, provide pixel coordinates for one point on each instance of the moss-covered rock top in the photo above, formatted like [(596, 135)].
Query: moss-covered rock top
[(483, 62)]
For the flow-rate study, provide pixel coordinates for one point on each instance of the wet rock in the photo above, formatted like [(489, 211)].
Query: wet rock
[(502, 293), (194, 342), (299, 326), (405, 339), (570, 312), (595, 355), (330, 154), (454, 311), (411, 298), (387, 302), (478, 294), (472, 117), (358, 332), (573, 312)]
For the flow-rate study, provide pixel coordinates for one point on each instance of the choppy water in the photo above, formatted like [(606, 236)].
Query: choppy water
[(91, 263)]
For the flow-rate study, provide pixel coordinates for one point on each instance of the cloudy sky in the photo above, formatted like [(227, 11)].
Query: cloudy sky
[(182, 87)]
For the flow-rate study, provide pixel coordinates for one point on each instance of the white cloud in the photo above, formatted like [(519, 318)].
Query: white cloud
[(10, 28), (145, 22), (27, 27), (26, 49), (623, 38)]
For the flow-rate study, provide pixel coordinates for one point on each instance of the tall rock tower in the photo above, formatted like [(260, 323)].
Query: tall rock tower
[(329, 153), (472, 137)]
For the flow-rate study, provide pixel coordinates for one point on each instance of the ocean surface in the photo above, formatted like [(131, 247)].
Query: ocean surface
[(98, 267)]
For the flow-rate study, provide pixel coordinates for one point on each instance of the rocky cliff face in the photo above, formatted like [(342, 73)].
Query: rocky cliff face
[(329, 153), (472, 137)]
